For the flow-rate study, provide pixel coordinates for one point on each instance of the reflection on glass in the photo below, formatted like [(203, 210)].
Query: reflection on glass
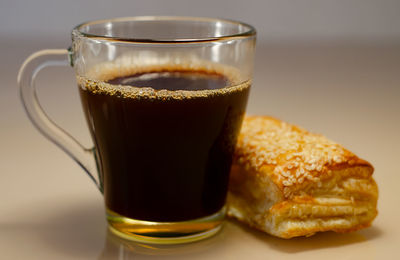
[(119, 248)]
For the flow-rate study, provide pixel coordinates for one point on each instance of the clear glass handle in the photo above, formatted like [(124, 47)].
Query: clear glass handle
[(85, 157)]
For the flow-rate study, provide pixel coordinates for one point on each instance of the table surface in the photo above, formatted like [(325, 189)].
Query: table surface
[(349, 92)]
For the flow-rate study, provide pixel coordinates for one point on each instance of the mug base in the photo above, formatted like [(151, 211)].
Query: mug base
[(165, 232)]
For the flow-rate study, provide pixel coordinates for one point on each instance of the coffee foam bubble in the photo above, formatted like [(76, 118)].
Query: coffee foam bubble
[(95, 80)]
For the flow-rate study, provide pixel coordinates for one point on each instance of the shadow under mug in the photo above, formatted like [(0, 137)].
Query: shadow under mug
[(164, 99)]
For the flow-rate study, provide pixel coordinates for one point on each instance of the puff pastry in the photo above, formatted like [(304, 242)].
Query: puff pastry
[(289, 182)]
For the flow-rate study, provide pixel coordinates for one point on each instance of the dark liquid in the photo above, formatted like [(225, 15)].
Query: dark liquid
[(166, 159), (174, 80)]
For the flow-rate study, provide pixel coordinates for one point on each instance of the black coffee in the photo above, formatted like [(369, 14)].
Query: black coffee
[(174, 80), (165, 155)]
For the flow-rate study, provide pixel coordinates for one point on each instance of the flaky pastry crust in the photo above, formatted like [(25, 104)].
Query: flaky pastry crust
[(289, 182)]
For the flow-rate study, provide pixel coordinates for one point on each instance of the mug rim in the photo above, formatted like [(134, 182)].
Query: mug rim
[(250, 32)]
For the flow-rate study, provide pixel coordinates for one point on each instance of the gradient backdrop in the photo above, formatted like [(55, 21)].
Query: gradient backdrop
[(330, 66)]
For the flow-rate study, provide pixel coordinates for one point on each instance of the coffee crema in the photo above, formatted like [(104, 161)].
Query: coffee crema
[(165, 137)]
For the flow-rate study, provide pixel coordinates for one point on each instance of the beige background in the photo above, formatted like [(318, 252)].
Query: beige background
[(329, 66)]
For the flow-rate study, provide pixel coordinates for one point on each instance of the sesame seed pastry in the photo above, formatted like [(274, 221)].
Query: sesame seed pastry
[(289, 182)]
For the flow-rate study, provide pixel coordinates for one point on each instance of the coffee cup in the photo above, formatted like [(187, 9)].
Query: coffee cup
[(164, 99)]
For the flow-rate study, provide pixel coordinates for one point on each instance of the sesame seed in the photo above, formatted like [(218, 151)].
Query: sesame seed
[(337, 159), (313, 160), (287, 183)]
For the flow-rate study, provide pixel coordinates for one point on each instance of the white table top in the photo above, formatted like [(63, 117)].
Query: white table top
[(348, 92)]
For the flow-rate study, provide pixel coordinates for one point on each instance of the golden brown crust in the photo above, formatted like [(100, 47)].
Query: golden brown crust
[(290, 182), (296, 156)]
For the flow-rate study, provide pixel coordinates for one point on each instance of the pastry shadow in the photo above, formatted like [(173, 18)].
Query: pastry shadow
[(321, 240)]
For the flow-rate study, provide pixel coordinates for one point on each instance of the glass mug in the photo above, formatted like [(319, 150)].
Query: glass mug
[(164, 99)]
